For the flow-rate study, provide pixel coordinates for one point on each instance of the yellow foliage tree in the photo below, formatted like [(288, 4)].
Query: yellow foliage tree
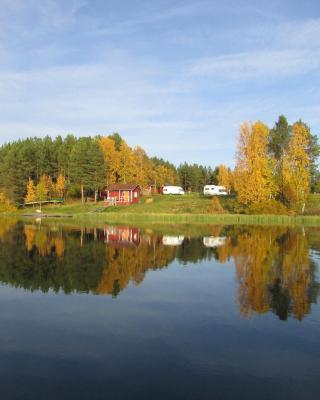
[(126, 163), (50, 186), (142, 166), (112, 158), (163, 175), (60, 186), (5, 204), (296, 171), (31, 192), (225, 177), (253, 177), (42, 189)]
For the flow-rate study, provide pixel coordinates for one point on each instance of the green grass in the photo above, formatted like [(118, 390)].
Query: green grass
[(189, 209)]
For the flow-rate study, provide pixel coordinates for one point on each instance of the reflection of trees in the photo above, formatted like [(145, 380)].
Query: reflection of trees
[(131, 263), (47, 257), (39, 258), (6, 225), (273, 267), (45, 241), (192, 249), (274, 271)]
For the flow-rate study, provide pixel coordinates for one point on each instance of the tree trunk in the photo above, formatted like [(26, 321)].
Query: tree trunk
[(95, 196), (82, 194)]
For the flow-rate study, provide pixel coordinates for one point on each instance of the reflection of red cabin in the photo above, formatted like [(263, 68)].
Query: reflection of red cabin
[(122, 194), (122, 236)]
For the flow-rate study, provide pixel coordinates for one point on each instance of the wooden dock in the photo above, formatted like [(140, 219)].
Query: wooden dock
[(38, 203), (42, 215)]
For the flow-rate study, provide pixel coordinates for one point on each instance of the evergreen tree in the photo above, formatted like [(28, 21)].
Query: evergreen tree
[(279, 138), (87, 167)]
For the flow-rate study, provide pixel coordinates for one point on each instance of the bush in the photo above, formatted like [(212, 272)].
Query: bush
[(216, 206), (74, 191), (269, 207), (231, 205), (5, 204)]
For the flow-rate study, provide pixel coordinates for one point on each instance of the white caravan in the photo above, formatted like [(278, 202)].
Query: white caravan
[(214, 190), (214, 241), (172, 240), (173, 190)]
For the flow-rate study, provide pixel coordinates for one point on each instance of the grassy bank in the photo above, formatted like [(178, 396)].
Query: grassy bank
[(188, 209)]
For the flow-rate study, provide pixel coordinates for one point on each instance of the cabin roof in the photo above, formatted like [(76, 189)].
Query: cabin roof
[(122, 186)]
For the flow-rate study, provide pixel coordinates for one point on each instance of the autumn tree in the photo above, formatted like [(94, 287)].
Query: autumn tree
[(42, 189), (254, 180), (142, 167), (225, 177), (296, 172), (60, 186), (126, 163), (31, 192), (111, 157)]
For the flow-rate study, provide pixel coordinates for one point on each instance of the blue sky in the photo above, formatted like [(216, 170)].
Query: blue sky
[(175, 76)]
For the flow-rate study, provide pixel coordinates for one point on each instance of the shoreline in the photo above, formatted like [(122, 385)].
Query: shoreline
[(168, 218)]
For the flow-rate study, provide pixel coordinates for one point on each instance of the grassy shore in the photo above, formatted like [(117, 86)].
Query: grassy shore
[(188, 209)]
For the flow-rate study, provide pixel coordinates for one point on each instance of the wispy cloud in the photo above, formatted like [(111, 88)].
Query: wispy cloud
[(258, 64), (177, 77)]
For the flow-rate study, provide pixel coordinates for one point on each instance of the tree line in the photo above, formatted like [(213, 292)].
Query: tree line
[(38, 169), (274, 167), (35, 168)]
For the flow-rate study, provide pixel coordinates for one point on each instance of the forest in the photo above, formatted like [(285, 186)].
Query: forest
[(38, 169), (276, 169)]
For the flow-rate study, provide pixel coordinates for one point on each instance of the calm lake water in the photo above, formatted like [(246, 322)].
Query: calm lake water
[(160, 313)]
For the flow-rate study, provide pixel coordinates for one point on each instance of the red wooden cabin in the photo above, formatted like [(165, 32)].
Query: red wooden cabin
[(122, 236), (122, 194)]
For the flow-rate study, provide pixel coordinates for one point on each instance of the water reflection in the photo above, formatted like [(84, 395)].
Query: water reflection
[(274, 270)]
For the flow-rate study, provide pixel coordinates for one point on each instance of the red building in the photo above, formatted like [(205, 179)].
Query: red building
[(122, 236), (122, 194)]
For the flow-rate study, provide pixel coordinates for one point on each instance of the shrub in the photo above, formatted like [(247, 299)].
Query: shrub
[(231, 205), (5, 204), (269, 207), (216, 206)]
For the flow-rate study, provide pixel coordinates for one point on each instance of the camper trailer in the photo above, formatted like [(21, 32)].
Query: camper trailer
[(172, 190), (214, 241), (172, 240), (214, 190)]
